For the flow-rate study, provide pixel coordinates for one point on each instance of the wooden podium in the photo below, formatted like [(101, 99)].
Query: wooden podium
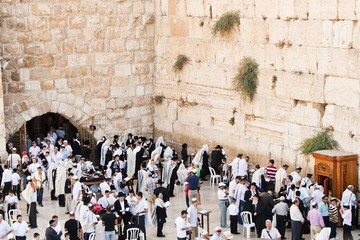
[(335, 170)]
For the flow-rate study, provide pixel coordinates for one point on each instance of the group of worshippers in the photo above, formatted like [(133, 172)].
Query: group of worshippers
[(288, 199)]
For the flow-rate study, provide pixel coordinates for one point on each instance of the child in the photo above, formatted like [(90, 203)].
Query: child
[(347, 217), (36, 236), (15, 182), (233, 212), (67, 236)]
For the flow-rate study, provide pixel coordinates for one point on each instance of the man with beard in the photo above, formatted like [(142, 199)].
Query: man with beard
[(85, 150), (98, 148), (216, 157)]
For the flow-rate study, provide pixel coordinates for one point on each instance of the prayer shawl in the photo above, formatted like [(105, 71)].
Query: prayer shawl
[(256, 178), (50, 176), (142, 177), (346, 198), (130, 162), (182, 173), (117, 181), (151, 167), (324, 234), (238, 191), (156, 154), (296, 178), (279, 177), (234, 167), (60, 178), (28, 193), (108, 170), (168, 168), (198, 159), (159, 141), (168, 154), (136, 150), (104, 149)]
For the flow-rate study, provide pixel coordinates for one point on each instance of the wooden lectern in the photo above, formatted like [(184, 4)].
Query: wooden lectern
[(335, 170)]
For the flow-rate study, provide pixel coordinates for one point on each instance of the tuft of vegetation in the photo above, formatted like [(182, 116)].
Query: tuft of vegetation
[(185, 103), (181, 60), (158, 99), (289, 44), (320, 141), (281, 44), (225, 23), (246, 79), (232, 121)]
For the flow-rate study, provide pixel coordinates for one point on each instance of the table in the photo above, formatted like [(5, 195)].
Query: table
[(94, 181), (207, 218)]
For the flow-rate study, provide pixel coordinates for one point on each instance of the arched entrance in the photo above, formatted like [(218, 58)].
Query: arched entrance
[(39, 126)]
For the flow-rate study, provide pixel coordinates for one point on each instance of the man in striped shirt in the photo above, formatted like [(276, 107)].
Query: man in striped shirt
[(270, 171), (334, 216)]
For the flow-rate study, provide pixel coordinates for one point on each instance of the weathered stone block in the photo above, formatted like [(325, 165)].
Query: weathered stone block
[(305, 115), (32, 86), (179, 27), (58, 22), (77, 22), (103, 92), (61, 83), (38, 73), (122, 70), (47, 84), (46, 61), (348, 96), (105, 71), (41, 9), (105, 58)]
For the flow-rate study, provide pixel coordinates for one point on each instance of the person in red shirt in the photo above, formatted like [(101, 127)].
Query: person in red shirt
[(270, 171)]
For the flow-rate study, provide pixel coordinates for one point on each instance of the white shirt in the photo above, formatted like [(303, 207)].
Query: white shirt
[(20, 229), (15, 177), (105, 202), (87, 221), (222, 194), (317, 196), (4, 228), (6, 177), (131, 201), (273, 232), (11, 199), (34, 151), (141, 206), (57, 228), (103, 187), (303, 193), (68, 150), (14, 159), (192, 216), (56, 158), (180, 223), (233, 209), (232, 187), (243, 167), (33, 168), (295, 213), (234, 167), (215, 237), (296, 178), (76, 189), (39, 180)]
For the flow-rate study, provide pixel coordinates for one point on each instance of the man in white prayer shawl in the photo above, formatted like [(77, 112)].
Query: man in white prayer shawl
[(256, 178), (234, 166), (307, 180), (168, 167), (142, 177), (168, 154), (104, 149), (349, 198), (182, 173), (296, 176), (159, 142), (280, 178), (156, 154), (198, 159), (130, 162), (61, 176)]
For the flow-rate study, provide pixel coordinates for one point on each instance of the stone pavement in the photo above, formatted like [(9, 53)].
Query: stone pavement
[(208, 201)]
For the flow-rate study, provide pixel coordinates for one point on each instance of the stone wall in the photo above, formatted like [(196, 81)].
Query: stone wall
[(85, 60), (308, 52), (2, 122)]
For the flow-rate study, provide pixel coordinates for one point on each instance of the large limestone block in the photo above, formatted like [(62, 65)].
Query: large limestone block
[(305, 115), (302, 87), (194, 115), (279, 109), (346, 9), (278, 30), (347, 96), (296, 133), (179, 27), (269, 9), (342, 119), (345, 140), (301, 9), (286, 9), (195, 8), (172, 111), (164, 125), (263, 152), (276, 151), (265, 130), (329, 9)]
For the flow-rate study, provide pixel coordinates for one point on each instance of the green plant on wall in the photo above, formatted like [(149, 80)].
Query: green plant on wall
[(246, 79), (181, 60), (226, 22), (320, 141)]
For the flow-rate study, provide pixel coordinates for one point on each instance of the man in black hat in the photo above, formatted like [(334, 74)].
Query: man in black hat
[(150, 146), (216, 158), (121, 207), (85, 150), (184, 153), (130, 140), (98, 148), (160, 189)]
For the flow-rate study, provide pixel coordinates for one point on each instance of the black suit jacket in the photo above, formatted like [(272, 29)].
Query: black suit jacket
[(50, 234), (216, 157), (248, 203), (164, 191), (117, 207)]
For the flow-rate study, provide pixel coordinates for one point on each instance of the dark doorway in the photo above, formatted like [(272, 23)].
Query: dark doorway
[(41, 125)]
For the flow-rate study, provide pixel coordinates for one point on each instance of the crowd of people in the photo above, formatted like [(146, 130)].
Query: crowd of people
[(135, 179)]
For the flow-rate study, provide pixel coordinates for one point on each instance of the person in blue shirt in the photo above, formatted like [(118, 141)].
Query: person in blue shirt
[(193, 181), (324, 209)]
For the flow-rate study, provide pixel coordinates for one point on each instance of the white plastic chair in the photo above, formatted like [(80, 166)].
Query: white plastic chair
[(214, 176), (92, 236), (12, 215), (247, 223), (132, 233)]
